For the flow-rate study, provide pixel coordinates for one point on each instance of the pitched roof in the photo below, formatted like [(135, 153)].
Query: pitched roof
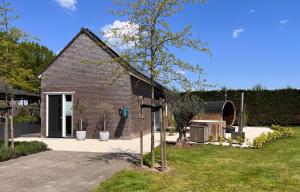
[(133, 71), (15, 92)]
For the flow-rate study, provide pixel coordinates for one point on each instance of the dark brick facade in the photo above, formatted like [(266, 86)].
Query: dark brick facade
[(81, 69)]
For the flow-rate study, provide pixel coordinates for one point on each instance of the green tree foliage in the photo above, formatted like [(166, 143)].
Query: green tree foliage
[(150, 41), (184, 107), (20, 61), (35, 58)]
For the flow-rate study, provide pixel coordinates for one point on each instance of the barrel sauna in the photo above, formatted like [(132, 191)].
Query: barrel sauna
[(217, 116)]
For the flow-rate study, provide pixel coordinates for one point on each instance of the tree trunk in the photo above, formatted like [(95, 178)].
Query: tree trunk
[(104, 122), (81, 124), (12, 135), (152, 125), (164, 133), (161, 141), (12, 130)]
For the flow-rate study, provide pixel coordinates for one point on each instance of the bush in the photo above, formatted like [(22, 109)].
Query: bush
[(211, 139), (27, 119), (278, 132), (22, 149), (240, 140), (230, 141), (220, 140)]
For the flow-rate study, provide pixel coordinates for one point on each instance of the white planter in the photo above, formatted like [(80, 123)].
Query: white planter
[(80, 135), (104, 135)]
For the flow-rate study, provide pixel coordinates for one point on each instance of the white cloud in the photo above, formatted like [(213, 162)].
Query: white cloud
[(252, 10), (114, 33), (69, 5), (181, 72), (282, 22), (236, 32)]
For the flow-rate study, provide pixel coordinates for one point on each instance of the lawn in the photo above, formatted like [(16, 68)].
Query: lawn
[(275, 167), (21, 149)]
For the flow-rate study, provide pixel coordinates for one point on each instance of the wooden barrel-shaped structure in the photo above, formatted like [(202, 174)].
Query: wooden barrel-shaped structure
[(217, 116), (220, 110)]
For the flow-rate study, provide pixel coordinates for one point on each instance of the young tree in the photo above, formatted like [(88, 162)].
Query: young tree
[(184, 107), (81, 108), (149, 42)]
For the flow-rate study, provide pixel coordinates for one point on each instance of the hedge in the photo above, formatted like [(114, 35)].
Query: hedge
[(21, 149), (262, 107)]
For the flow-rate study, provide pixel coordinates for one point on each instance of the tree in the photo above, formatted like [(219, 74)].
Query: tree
[(104, 110), (259, 87), (81, 108), (150, 41), (184, 107), (35, 57), (8, 59)]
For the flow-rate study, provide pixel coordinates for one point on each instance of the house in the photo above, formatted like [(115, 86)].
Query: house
[(85, 71), (23, 97)]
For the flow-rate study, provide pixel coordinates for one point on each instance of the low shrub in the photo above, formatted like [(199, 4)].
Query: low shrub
[(27, 119), (220, 140), (278, 133), (240, 140), (22, 149), (211, 139), (230, 141)]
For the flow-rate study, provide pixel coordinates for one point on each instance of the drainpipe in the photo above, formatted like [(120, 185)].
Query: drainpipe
[(241, 124)]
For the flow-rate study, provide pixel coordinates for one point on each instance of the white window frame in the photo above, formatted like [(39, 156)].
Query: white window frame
[(63, 94)]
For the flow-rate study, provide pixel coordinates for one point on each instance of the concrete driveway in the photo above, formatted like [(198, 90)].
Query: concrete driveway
[(54, 171)]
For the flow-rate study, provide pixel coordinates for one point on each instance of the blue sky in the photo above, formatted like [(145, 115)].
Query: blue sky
[(252, 41)]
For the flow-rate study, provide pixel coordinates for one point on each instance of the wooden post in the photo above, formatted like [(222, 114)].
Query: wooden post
[(6, 129), (161, 140), (241, 126), (165, 115), (141, 131)]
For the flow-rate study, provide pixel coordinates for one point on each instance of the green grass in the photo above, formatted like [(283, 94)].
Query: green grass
[(275, 167), (21, 149)]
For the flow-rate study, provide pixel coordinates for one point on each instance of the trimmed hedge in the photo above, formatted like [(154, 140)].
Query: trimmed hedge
[(278, 133), (263, 107), (21, 149)]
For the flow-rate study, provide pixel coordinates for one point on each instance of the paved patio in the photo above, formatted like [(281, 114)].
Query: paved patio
[(94, 145), (123, 146)]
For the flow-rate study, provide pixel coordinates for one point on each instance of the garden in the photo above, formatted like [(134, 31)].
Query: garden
[(274, 167), (21, 149)]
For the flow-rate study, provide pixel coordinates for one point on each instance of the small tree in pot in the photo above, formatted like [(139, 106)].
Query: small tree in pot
[(104, 110), (81, 108)]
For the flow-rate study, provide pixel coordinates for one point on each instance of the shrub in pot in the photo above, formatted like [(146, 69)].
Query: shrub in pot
[(104, 109), (81, 108)]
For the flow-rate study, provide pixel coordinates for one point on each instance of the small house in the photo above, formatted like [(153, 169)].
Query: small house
[(85, 71)]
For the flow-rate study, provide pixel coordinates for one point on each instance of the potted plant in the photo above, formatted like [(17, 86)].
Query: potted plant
[(104, 109), (81, 108)]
